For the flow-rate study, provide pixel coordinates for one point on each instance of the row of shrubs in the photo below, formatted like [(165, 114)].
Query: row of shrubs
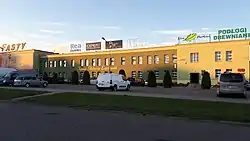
[(167, 82)]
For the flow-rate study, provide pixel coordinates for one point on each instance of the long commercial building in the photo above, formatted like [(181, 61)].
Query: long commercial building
[(182, 60)]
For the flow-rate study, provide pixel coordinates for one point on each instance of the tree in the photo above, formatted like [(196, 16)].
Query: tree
[(86, 78), (74, 78), (151, 79), (206, 80), (54, 78), (122, 72), (167, 82)]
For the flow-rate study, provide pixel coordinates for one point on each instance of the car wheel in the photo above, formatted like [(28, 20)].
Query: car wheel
[(114, 88), (45, 85), (128, 88), (27, 85)]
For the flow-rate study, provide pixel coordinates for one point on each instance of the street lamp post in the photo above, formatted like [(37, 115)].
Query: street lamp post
[(109, 54)]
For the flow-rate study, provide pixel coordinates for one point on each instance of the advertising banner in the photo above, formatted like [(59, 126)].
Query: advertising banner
[(75, 47), (93, 46), (114, 44), (232, 34)]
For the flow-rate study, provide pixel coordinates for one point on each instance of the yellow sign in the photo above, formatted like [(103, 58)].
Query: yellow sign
[(101, 68), (12, 47)]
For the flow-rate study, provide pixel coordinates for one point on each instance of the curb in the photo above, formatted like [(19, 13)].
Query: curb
[(27, 97)]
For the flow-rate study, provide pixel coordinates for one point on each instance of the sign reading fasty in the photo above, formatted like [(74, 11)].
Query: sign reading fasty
[(230, 34), (12, 47)]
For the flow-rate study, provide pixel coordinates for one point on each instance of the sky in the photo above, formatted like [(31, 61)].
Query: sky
[(55, 24)]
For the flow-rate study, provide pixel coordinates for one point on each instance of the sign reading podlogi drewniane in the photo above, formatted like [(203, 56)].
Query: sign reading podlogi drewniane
[(230, 34)]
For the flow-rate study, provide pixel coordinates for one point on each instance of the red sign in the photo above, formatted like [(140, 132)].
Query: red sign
[(241, 70), (12, 47)]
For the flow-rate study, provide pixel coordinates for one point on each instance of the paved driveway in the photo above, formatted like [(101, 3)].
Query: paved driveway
[(23, 122)]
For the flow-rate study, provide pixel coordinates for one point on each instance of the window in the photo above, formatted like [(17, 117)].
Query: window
[(139, 74), (50, 74), (228, 55), (217, 72), (122, 60), (166, 59), (133, 60), (107, 61), (93, 62), (140, 60), (65, 63), (72, 63), (98, 73), (156, 59), (55, 64), (86, 62), (174, 58), (50, 64), (228, 70), (81, 62), (99, 62), (112, 61), (60, 63), (174, 74), (194, 57), (133, 74), (149, 58), (232, 77), (217, 56), (60, 74), (93, 74), (156, 73), (46, 64)]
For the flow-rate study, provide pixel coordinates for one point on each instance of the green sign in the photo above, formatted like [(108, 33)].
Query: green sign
[(191, 37), (229, 34)]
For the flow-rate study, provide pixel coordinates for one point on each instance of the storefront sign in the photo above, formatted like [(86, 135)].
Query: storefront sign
[(114, 44), (101, 68), (229, 34), (193, 37), (75, 47), (93, 46), (12, 47)]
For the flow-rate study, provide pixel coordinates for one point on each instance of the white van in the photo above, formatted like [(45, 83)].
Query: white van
[(112, 81)]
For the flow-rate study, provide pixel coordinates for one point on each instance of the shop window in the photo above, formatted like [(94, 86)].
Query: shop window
[(133, 74), (139, 74), (217, 72), (93, 74), (156, 73), (174, 74), (228, 70)]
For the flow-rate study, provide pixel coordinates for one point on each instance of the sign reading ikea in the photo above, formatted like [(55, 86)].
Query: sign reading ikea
[(230, 34)]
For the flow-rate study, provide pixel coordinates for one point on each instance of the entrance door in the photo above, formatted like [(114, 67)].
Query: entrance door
[(194, 78)]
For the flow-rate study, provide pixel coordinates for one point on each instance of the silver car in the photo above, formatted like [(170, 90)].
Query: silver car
[(30, 81), (231, 83)]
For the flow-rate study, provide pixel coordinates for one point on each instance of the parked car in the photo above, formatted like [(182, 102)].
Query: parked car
[(231, 83), (136, 81), (93, 80), (112, 81), (30, 81)]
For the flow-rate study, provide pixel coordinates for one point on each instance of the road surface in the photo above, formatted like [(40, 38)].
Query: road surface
[(24, 122)]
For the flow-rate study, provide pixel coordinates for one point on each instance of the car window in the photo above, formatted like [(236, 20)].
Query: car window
[(232, 77), (19, 78)]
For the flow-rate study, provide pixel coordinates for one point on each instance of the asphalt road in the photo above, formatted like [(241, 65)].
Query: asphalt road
[(24, 122)]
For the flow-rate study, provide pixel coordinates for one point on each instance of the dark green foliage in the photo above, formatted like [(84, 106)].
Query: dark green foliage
[(45, 76), (86, 78), (75, 79), (151, 79), (122, 72), (54, 78), (167, 82), (206, 80)]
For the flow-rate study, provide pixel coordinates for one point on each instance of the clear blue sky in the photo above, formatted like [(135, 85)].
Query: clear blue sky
[(46, 23)]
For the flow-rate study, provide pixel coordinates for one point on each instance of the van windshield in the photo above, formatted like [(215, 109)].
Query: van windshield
[(232, 77)]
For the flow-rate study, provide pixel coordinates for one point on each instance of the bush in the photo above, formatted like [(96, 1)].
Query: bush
[(151, 79), (167, 80), (86, 78), (206, 80), (122, 72)]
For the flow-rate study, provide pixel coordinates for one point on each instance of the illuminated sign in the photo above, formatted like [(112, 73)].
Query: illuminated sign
[(12, 47), (229, 34)]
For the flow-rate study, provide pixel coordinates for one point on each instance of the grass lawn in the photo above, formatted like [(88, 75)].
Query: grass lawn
[(159, 106), (8, 94)]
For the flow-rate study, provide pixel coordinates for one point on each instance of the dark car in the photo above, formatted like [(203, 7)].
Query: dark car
[(136, 81)]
